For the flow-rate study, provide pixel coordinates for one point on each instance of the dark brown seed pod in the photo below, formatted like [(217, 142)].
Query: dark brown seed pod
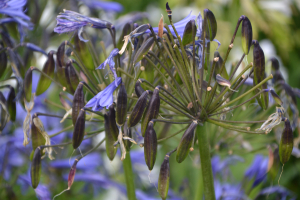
[(286, 142), (111, 132), (44, 82), (189, 32), (169, 11), (259, 73), (11, 103), (138, 110), (79, 127), (36, 166), (28, 85), (121, 107), (164, 178), (60, 54), (150, 146), (78, 102), (143, 50), (276, 97), (3, 112), (274, 63), (138, 88), (3, 60), (72, 174), (211, 25), (36, 136), (246, 35), (185, 143), (152, 110), (71, 77)]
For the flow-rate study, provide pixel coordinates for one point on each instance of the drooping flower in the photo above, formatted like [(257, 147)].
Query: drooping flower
[(103, 5), (110, 61), (14, 9), (69, 21), (258, 170), (105, 97)]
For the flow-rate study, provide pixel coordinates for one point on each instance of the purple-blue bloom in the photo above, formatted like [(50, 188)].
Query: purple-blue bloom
[(110, 61), (103, 5), (14, 9), (258, 169), (69, 21), (105, 97)]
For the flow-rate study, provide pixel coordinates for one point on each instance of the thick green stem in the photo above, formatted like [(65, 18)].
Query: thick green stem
[(208, 179), (129, 177)]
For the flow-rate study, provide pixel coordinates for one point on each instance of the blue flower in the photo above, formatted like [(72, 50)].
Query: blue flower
[(257, 170), (69, 21), (104, 98), (108, 6), (14, 9), (110, 61)]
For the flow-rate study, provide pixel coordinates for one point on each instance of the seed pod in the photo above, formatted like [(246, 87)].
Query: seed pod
[(274, 63), (189, 32), (111, 132), (71, 77), (246, 35), (259, 73), (138, 88), (276, 97), (60, 60), (211, 25), (127, 133), (28, 85), (79, 127), (185, 143), (3, 60), (121, 108), (164, 178), (36, 166), (169, 11), (286, 142), (7, 39), (138, 110), (275, 167), (150, 146), (4, 117), (44, 82), (36, 136), (72, 174), (218, 66), (78, 102), (143, 50), (152, 110), (11, 103)]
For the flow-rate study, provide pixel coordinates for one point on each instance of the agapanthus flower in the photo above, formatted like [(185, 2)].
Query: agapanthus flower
[(14, 9), (110, 61), (69, 21), (258, 170), (105, 97), (103, 5)]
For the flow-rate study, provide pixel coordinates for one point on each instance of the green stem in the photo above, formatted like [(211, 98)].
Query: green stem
[(204, 149), (129, 177)]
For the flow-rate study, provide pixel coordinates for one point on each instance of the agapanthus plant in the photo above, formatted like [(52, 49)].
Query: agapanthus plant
[(166, 76)]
